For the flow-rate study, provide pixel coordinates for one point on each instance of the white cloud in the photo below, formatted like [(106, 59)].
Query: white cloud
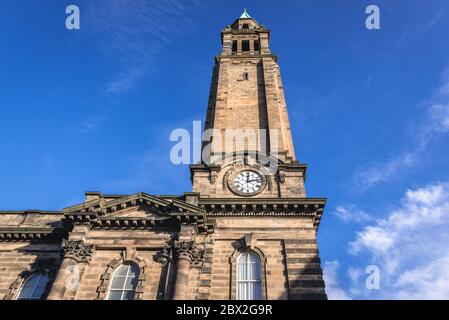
[(374, 174), (411, 245), (374, 238), (350, 213), (427, 282), (440, 114), (435, 123), (135, 32), (334, 292), (354, 274)]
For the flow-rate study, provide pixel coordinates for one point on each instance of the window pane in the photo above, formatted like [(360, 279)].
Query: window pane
[(122, 270), (38, 292), (34, 287), (25, 293), (115, 295), (118, 283), (241, 290), (32, 280), (249, 277), (257, 294), (241, 269), (124, 282), (131, 283), (129, 295), (134, 271), (254, 272)]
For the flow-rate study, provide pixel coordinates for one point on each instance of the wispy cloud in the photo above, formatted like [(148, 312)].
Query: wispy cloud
[(421, 27), (411, 245), (351, 214), (134, 32), (87, 125), (435, 124), (434, 20), (333, 290)]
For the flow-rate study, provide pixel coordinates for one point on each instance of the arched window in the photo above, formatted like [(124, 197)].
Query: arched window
[(248, 277), (33, 287), (124, 282), (245, 26)]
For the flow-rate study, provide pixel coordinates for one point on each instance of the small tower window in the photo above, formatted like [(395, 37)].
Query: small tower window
[(245, 76), (245, 45), (256, 46), (234, 46), (245, 26)]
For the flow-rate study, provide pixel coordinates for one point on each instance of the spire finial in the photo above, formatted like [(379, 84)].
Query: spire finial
[(245, 14)]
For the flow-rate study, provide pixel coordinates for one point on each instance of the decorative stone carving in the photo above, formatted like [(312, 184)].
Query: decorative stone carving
[(77, 250), (248, 241), (188, 250), (197, 258), (165, 255)]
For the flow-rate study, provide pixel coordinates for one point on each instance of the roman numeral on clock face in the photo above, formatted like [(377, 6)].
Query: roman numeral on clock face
[(248, 182)]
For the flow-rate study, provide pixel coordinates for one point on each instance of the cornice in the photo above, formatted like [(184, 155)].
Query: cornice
[(246, 56), (32, 234), (33, 211), (262, 207)]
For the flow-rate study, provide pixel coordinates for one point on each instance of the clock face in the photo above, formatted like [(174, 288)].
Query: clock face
[(248, 182)]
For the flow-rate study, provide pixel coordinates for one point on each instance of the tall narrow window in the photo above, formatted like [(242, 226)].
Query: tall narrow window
[(245, 45), (34, 287), (256, 46), (124, 282), (248, 277), (234, 46)]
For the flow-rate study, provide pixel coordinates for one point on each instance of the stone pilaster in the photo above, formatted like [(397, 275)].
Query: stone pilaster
[(182, 274), (76, 255), (187, 254)]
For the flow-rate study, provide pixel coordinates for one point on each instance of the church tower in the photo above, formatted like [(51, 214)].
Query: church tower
[(247, 231), (249, 181)]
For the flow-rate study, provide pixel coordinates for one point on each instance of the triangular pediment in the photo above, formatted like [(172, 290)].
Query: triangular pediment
[(138, 201), (138, 210)]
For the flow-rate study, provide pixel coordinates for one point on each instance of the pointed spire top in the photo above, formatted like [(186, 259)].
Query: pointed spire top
[(245, 15)]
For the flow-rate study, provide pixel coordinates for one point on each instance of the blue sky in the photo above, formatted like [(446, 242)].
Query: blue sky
[(92, 109)]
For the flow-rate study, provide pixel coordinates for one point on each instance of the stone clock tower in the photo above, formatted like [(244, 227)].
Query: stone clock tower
[(247, 231), (249, 181)]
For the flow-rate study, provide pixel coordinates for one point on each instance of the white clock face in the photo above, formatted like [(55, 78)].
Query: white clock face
[(248, 182)]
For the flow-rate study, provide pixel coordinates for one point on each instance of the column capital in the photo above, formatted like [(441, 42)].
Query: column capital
[(77, 250), (187, 250)]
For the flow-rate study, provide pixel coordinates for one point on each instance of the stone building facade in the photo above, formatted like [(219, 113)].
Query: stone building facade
[(246, 231)]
